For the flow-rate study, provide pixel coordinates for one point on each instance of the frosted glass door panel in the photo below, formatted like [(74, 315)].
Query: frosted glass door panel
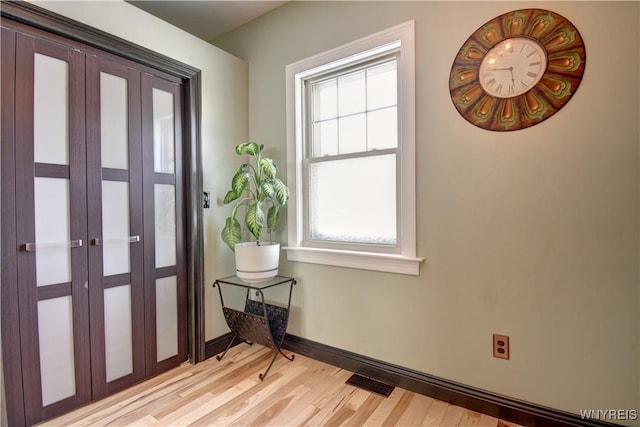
[(113, 122), (117, 328), (165, 222), (55, 331), (167, 317), (115, 227), (53, 251), (50, 110), (163, 132)]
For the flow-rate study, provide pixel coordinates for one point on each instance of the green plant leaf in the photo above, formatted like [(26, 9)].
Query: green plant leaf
[(267, 189), (282, 192), (240, 181), (231, 233), (272, 216), (268, 167), (230, 197), (250, 148), (242, 167), (254, 219)]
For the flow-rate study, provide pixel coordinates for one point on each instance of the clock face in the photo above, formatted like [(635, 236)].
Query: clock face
[(517, 70), (512, 67)]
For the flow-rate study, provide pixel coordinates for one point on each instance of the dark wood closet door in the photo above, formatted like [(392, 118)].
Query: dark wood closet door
[(93, 230), (165, 276), (51, 227), (115, 221)]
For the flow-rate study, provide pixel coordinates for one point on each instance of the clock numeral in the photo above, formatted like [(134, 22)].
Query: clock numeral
[(510, 88), (534, 63), (531, 54), (524, 85), (499, 88), (491, 82), (531, 74)]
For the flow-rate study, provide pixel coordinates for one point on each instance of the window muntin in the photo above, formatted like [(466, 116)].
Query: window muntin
[(356, 111)]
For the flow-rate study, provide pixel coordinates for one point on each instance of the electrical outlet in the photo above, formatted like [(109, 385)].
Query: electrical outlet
[(501, 346)]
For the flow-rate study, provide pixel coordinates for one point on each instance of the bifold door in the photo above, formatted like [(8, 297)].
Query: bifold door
[(97, 189)]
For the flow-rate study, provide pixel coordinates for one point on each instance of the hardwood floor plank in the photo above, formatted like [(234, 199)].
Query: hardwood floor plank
[(189, 412), (293, 391), (452, 416), (487, 421), (147, 420), (502, 423), (399, 409), (386, 406), (265, 418), (328, 408), (416, 412), (229, 412), (324, 377), (365, 410), (304, 392), (435, 414)]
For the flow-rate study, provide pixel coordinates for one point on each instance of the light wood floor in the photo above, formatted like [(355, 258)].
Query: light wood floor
[(304, 392)]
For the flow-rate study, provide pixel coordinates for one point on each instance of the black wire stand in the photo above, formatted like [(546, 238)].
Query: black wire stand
[(262, 323)]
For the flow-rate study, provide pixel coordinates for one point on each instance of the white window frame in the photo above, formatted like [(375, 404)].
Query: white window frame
[(405, 261)]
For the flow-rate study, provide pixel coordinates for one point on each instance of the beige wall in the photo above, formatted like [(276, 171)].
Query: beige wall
[(533, 234), (224, 112)]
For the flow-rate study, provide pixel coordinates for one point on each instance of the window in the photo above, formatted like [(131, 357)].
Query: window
[(351, 145)]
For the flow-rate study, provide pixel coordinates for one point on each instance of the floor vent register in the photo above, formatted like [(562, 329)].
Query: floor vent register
[(370, 385)]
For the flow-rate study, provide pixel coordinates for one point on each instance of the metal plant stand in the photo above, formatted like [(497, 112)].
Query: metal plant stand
[(262, 323)]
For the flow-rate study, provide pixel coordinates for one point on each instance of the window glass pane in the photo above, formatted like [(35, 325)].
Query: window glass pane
[(163, 132), (354, 200), (55, 336), (382, 129), (325, 138), (353, 134), (118, 332), (115, 228), (114, 138), (382, 86), (165, 224), (53, 233), (325, 100), (166, 317), (50, 110), (351, 93)]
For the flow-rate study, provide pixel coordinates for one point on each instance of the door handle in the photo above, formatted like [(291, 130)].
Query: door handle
[(98, 241), (32, 247)]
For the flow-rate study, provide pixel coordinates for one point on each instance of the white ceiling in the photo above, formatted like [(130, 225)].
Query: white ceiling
[(206, 19)]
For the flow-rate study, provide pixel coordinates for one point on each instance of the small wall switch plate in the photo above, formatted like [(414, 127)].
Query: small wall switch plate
[(501, 346)]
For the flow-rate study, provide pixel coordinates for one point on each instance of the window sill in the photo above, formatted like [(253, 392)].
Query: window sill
[(361, 260)]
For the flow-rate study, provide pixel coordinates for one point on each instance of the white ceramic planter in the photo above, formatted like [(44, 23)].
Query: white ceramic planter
[(255, 264)]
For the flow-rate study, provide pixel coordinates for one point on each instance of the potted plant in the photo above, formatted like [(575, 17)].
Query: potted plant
[(254, 187)]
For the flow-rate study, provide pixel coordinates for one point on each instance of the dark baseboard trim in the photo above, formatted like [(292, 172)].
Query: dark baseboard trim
[(502, 407)]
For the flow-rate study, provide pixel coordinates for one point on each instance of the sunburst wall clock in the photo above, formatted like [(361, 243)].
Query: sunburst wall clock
[(517, 70)]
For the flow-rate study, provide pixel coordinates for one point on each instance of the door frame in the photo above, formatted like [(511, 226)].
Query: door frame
[(43, 19)]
